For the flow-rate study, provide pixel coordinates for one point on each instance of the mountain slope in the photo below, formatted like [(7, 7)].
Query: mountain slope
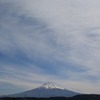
[(47, 90)]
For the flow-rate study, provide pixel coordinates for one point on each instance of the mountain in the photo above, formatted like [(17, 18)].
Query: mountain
[(46, 90)]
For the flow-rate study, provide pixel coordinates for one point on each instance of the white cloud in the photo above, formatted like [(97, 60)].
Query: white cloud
[(73, 27), (32, 77)]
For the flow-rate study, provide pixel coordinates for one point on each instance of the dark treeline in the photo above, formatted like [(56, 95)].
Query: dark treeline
[(78, 97)]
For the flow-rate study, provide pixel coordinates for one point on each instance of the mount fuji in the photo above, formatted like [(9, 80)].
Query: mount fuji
[(46, 90)]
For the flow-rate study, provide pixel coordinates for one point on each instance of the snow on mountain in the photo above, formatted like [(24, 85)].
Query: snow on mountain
[(46, 90), (50, 85)]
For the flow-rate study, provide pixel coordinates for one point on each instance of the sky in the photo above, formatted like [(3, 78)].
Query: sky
[(49, 40)]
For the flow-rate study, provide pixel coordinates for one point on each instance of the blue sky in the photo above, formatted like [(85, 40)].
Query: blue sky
[(49, 40)]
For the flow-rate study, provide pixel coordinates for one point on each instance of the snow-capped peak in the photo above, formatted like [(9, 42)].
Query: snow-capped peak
[(46, 90), (50, 85)]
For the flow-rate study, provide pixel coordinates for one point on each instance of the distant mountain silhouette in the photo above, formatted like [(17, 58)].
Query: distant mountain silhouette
[(46, 90), (78, 97)]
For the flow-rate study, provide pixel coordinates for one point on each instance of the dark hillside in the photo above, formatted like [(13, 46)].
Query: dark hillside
[(78, 97)]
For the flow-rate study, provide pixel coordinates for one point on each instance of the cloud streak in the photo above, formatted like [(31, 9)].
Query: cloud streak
[(76, 28), (47, 39)]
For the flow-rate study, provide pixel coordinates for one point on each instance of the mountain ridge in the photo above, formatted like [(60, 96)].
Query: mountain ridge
[(46, 90), (50, 85)]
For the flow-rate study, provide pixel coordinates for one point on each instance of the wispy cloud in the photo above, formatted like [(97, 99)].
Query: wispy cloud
[(75, 28), (50, 40)]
